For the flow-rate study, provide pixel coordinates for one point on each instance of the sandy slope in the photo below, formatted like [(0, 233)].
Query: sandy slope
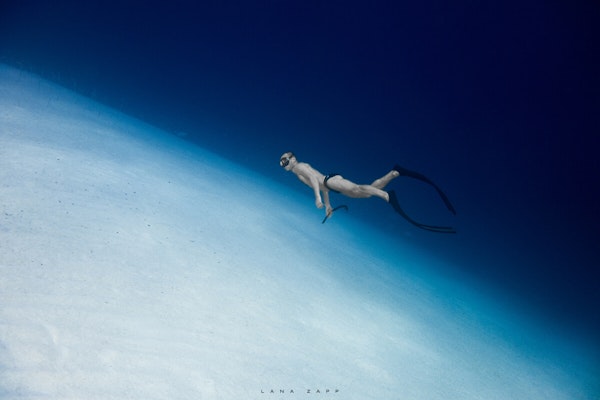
[(135, 266)]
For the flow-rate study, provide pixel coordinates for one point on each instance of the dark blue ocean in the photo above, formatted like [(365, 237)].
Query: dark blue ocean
[(498, 103)]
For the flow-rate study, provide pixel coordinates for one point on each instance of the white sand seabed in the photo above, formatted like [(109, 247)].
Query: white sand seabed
[(136, 266)]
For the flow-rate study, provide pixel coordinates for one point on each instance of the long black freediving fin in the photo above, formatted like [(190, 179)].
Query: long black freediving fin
[(421, 177), (335, 209), (440, 229)]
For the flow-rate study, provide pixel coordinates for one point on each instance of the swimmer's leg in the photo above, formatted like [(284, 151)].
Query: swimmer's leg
[(384, 180), (351, 189)]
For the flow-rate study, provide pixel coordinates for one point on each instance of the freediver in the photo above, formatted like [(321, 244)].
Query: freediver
[(321, 183)]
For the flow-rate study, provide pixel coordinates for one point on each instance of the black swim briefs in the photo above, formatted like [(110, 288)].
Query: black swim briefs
[(326, 179)]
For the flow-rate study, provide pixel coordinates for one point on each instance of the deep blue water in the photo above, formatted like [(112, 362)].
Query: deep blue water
[(497, 103)]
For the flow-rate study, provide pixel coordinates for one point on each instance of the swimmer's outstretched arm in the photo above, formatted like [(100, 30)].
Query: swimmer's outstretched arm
[(328, 209)]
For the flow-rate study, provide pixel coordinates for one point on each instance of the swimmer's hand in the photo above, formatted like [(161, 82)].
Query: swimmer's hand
[(328, 211)]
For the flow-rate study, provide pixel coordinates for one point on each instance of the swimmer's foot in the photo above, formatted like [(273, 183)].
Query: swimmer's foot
[(393, 200)]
